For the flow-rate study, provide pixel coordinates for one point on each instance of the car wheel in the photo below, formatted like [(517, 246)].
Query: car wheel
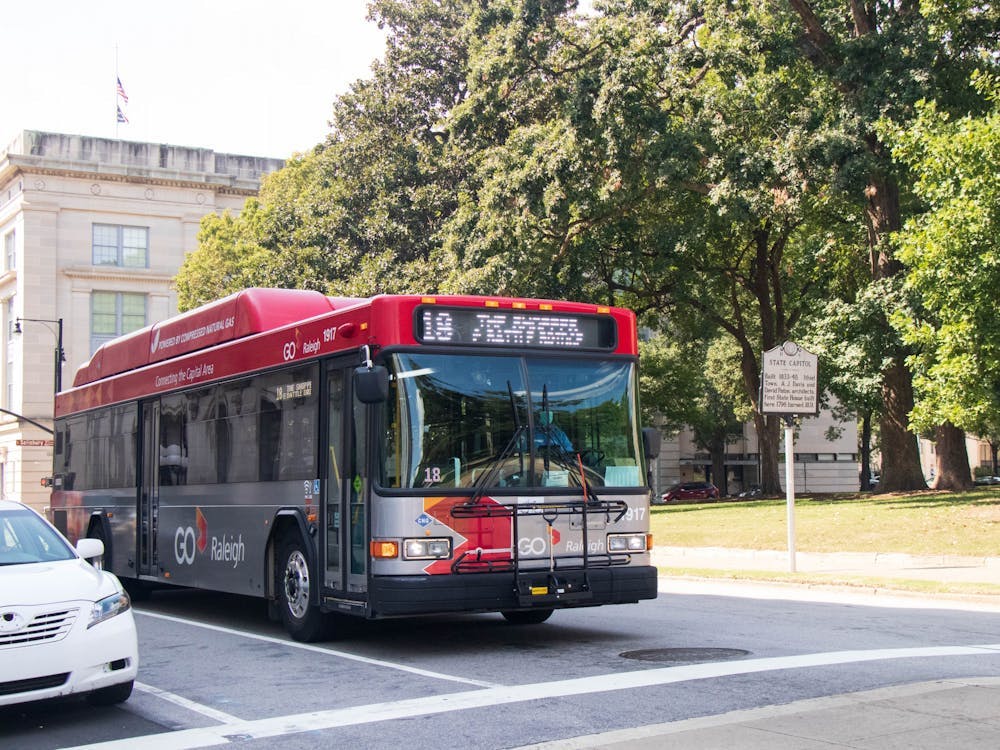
[(112, 695), (526, 616), (294, 587)]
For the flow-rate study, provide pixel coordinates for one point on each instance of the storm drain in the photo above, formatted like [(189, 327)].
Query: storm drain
[(685, 655)]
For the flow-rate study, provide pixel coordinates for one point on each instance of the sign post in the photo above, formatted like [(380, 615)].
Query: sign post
[(789, 388)]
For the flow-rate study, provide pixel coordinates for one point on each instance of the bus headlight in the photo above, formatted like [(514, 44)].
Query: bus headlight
[(627, 542), (427, 549)]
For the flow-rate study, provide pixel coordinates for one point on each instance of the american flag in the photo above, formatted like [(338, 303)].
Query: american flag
[(121, 92), (121, 116)]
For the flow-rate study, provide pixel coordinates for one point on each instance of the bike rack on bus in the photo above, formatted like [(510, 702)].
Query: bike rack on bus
[(539, 582)]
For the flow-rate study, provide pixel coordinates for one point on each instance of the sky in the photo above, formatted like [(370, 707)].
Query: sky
[(251, 77)]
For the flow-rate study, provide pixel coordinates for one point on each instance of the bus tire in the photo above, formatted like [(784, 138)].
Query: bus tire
[(293, 587), (526, 616), (138, 591)]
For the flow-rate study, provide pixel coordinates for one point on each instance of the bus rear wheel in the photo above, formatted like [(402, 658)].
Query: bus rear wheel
[(294, 589)]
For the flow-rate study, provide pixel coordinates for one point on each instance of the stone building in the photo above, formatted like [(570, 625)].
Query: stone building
[(93, 232), (826, 458)]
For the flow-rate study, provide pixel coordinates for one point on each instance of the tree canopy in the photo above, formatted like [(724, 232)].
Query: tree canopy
[(951, 251), (718, 167)]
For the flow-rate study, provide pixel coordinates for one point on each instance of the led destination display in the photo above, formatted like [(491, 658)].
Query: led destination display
[(450, 325)]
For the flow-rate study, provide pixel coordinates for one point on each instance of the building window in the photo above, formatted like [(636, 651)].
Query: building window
[(10, 251), (116, 245), (113, 314)]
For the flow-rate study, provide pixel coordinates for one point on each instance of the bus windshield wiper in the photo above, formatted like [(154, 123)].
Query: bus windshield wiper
[(565, 459), (493, 469)]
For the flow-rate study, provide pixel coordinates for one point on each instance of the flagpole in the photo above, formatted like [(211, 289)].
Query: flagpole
[(120, 97), (116, 92)]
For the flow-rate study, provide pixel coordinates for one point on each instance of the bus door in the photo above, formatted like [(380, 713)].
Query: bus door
[(149, 489), (346, 546)]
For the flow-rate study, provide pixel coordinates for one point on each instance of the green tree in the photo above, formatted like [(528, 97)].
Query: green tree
[(213, 270), (651, 159), (695, 384), (361, 213), (951, 254), (845, 333), (883, 56)]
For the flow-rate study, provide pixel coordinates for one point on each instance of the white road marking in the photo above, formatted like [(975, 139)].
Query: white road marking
[(188, 739), (319, 650), (211, 713)]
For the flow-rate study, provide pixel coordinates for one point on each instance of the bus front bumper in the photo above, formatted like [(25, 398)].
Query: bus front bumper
[(401, 596)]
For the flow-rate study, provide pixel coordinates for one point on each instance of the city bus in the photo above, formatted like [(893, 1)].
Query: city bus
[(384, 457)]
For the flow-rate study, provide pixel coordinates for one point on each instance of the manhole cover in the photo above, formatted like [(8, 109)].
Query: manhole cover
[(685, 655)]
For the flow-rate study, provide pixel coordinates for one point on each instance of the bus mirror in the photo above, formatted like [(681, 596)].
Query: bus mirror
[(651, 442), (371, 385)]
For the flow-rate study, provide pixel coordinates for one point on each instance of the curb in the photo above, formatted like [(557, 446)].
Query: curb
[(832, 560)]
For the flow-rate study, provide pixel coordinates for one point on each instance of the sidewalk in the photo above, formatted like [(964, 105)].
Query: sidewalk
[(925, 716), (944, 568)]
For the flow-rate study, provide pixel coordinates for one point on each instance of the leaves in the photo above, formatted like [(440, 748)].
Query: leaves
[(952, 253), (717, 166)]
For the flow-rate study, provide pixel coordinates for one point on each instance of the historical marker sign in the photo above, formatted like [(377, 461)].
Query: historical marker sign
[(789, 384)]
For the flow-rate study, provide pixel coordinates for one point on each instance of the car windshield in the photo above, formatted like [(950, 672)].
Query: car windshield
[(26, 538), (477, 421)]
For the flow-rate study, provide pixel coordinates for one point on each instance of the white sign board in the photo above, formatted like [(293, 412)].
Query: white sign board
[(789, 384)]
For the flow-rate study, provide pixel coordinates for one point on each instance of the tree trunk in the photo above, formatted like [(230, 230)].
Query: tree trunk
[(865, 478), (768, 436), (901, 470), (900, 458), (952, 462), (719, 475)]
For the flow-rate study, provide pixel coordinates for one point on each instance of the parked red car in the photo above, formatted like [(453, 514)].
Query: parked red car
[(690, 491)]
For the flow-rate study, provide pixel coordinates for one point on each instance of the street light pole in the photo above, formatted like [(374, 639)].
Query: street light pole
[(60, 355)]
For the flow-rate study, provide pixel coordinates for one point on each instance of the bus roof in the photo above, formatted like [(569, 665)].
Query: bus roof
[(258, 329), (241, 314)]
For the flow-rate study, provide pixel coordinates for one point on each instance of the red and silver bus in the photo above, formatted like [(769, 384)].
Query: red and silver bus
[(383, 457)]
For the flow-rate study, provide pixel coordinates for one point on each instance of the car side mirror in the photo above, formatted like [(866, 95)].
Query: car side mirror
[(89, 548), (651, 441), (371, 384)]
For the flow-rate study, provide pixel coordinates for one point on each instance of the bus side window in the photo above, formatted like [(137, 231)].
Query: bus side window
[(269, 435), (173, 441)]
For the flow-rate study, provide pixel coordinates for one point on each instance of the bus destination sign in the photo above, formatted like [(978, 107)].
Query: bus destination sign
[(493, 327)]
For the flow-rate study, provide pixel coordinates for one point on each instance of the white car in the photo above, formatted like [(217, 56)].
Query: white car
[(66, 627)]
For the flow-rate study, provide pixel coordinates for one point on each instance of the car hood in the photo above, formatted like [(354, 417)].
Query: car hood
[(51, 582)]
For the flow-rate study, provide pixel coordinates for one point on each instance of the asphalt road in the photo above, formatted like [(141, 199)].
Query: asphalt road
[(215, 671)]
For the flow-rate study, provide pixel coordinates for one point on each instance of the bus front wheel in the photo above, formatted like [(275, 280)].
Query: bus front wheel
[(526, 616), (294, 588)]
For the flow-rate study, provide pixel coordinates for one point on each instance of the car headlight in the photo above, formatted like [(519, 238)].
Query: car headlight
[(628, 542), (108, 607), (427, 549)]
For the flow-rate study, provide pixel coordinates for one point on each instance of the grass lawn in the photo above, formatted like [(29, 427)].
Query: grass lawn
[(920, 523)]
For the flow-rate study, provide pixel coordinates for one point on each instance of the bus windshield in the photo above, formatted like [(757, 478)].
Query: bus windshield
[(457, 421)]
